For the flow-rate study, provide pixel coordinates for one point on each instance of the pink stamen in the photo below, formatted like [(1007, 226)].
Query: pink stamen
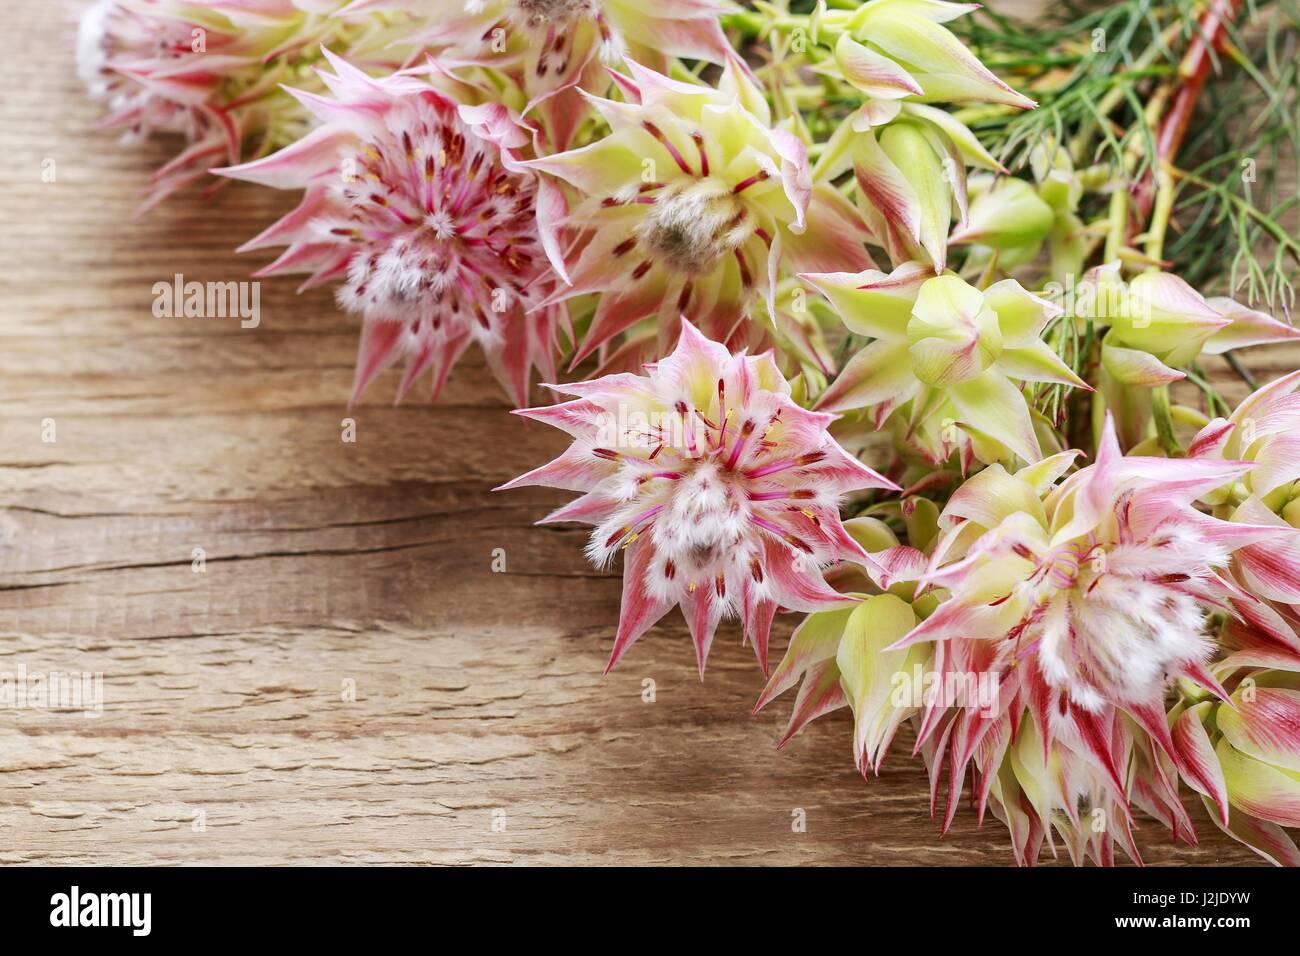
[(746, 278), (722, 410), (657, 133), (769, 526), (688, 426), (772, 468), (738, 449), (785, 493), (704, 156), (744, 184)]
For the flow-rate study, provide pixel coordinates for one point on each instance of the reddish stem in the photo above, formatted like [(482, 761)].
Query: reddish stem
[(1195, 70)]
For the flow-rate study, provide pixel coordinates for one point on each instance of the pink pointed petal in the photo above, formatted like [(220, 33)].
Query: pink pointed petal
[(1151, 718), (1196, 672), (817, 638), (574, 470), (1265, 724), (951, 620), (1094, 730), (1277, 463), (886, 188), (294, 226), (591, 508), (617, 311), (901, 563), (1261, 626), (698, 37), (819, 694), (1136, 367), (878, 373), (381, 343), (1249, 327), (1258, 788), (552, 209), (640, 611), (1270, 569), (416, 365), (795, 588), (832, 240), (1197, 762), (579, 417), (1267, 839), (1211, 439), (874, 74), (758, 627), (296, 165), (702, 613)]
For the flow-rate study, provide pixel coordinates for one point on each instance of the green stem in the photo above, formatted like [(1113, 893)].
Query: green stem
[(1242, 372), (1216, 402), (1114, 96), (1118, 230), (1164, 207), (1165, 422)]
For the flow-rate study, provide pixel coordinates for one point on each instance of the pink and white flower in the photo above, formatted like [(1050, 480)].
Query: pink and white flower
[(693, 206), (421, 207), (549, 47), (722, 492), (211, 72), (1099, 582), (1086, 597)]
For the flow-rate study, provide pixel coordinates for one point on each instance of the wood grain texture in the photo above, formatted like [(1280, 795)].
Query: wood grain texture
[(477, 693)]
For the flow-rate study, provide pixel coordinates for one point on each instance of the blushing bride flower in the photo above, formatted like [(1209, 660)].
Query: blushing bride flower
[(548, 46), (692, 206), (1082, 599), (1086, 597), (157, 70), (909, 158), (723, 493), (419, 205), (946, 359), (1097, 586), (211, 72)]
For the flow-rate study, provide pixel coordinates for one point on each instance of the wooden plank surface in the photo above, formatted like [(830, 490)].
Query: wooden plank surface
[(225, 735)]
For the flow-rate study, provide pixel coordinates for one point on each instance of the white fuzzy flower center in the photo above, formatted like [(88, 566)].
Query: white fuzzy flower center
[(1114, 621), (705, 521), (710, 498), (693, 224), (539, 13), (445, 235)]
